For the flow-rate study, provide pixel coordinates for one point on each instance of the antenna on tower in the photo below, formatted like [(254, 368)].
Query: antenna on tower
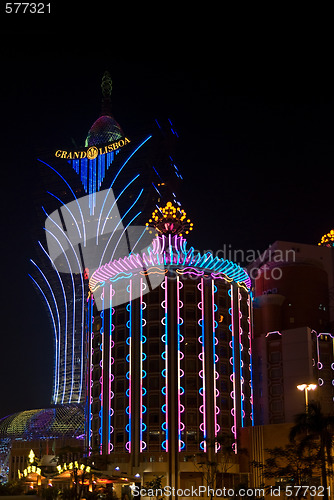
[(106, 87)]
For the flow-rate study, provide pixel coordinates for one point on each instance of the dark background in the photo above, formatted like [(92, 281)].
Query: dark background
[(255, 147)]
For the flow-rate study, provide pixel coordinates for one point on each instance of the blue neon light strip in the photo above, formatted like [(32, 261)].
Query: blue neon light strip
[(250, 298), (73, 323), (143, 374), (128, 374), (90, 365), (102, 373), (116, 199), (202, 390), (181, 443), (56, 375), (110, 375), (66, 314), (76, 199), (120, 221), (241, 364), (164, 338), (233, 395), (111, 185), (215, 361), (74, 313)]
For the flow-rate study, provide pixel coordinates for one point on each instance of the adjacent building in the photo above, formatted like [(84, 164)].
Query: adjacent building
[(293, 329)]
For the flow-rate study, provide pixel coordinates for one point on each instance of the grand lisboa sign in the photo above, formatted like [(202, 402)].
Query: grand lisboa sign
[(92, 152)]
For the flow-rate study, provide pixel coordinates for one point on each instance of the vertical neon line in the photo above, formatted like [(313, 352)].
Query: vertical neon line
[(178, 364), (102, 374), (66, 318), (109, 373), (142, 374), (130, 380), (94, 185), (234, 428), (165, 370), (318, 353), (141, 368), (90, 364), (57, 360), (74, 308), (250, 354), (55, 331), (180, 355), (73, 322), (215, 360), (166, 363), (241, 362), (203, 368), (129, 339), (111, 362)]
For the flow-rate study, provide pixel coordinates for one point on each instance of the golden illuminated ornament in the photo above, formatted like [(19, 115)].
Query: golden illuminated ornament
[(327, 240), (170, 219)]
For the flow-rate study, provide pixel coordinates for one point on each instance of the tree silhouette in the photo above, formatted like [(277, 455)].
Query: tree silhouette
[(315, 427), (294, 462)]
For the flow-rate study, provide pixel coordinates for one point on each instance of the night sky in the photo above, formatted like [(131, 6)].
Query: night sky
[(256, 158)]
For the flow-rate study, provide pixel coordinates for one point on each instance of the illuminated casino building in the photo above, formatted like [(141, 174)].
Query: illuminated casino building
[(169, 372), (112, 176)]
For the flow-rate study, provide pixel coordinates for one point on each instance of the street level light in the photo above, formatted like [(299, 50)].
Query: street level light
[(306, 388)]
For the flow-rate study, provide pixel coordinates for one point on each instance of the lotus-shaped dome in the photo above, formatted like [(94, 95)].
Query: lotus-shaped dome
[(59, 421), (104, 130)]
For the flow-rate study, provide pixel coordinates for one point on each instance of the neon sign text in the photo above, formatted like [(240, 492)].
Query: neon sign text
[(92, 152)]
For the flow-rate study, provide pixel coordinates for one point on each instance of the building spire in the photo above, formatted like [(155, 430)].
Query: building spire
[(106, 87)]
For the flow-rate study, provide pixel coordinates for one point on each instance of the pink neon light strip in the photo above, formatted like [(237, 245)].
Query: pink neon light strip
[(250, 335), (130, 342), (102, 377), (90, 364), (178, 364), (234, 429), (242, 395), (171, 250), (203, 367), (180, 355), (166, 364), (142, 444), (217, 446), (111, 377)]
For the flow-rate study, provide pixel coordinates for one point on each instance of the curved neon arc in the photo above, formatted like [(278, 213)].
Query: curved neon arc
[(111, 185), (65, 205), (167, 251), (73, 321), (112, 234), (112, 206), (56, 388), (76, 199), (55, 331), (66, 314), (74, 307)]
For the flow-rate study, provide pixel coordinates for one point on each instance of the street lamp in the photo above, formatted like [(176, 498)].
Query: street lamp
[(306, 388)]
